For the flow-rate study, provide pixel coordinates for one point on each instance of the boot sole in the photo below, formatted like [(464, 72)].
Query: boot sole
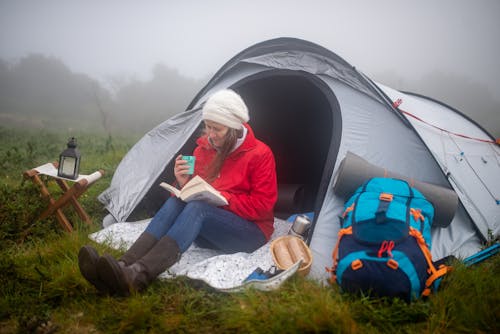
[(111, 274), (87, 262)]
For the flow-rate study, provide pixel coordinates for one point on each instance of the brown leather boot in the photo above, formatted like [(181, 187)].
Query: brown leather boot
[(136, 277), (88, 258), (87, 262), (139, 248)]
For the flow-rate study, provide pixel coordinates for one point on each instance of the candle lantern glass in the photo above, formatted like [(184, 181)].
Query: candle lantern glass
[(69, 161)]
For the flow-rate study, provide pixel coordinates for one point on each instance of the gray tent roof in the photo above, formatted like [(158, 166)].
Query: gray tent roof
[(297, 55)]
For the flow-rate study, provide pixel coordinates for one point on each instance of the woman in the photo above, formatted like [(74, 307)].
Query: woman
[(234, 162)]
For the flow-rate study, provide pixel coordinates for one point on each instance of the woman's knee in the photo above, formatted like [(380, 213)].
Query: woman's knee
[(196, 207), (174, 202)]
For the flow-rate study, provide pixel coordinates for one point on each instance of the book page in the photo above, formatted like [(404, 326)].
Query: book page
[(171, 188), (198, 183), (195, 181), (213, 198), (197, 189)]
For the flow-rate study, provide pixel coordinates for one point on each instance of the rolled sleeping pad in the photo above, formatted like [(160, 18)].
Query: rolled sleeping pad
[(354, 171)]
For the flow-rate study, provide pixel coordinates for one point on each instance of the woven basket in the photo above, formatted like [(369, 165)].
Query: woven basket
[(289, 249)]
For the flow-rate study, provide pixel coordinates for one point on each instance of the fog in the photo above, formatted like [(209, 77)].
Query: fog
[(447, 50)]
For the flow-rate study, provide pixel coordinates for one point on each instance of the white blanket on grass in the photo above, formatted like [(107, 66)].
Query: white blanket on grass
[(221, 271)]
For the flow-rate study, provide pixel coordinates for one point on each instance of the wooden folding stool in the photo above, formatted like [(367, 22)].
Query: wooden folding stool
[(70, 194)]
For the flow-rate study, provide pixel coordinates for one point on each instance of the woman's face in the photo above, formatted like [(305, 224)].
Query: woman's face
[(216, 132)]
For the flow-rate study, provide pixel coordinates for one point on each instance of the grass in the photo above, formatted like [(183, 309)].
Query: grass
[(42, 291)]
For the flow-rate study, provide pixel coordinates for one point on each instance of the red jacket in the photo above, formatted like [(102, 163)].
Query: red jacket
[(247, 179)]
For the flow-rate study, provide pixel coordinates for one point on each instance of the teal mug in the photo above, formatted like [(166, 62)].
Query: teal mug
[(190, 160)]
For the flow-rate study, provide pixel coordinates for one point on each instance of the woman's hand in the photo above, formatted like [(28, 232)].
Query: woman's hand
[(181, 169)]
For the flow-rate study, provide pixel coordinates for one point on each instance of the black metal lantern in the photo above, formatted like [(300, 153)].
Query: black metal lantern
[(69, 161)]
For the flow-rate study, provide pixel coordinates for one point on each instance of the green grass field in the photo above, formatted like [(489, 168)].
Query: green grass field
[(42, 291)]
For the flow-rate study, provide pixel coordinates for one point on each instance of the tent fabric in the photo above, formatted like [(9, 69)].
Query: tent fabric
[(311, 107), (143, 164), (471, 164)]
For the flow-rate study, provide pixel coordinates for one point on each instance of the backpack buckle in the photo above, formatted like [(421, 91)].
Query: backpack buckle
[(385, 200), (386, 197)]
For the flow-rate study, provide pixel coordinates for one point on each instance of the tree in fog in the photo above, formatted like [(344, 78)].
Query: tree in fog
[(42, 92), (145, 104)]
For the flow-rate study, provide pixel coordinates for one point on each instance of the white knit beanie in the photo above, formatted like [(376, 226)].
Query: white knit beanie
[(227, 108)]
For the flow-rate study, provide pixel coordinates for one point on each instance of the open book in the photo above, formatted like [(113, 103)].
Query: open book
[(197, 189)]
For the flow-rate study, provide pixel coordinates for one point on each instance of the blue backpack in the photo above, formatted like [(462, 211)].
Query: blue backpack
[(383, 247)]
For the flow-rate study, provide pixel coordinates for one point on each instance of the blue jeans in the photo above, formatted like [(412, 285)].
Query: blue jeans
[(209, 226)]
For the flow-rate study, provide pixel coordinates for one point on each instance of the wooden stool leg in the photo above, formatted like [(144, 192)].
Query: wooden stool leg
[(61, 218), (70, 194), (73, 199), (63, 221), (59, 203)]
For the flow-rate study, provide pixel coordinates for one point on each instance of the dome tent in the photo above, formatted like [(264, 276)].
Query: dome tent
[(312, 108)]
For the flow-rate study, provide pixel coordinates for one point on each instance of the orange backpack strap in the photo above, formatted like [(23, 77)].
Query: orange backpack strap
[(443, 270), (347, 210), (342, 232), (417, 214), (434, 273)]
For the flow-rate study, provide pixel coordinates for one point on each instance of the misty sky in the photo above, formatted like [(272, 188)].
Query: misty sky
[(103, 38)]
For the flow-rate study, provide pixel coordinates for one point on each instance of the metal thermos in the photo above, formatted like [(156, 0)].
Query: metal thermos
[(300, 226)]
